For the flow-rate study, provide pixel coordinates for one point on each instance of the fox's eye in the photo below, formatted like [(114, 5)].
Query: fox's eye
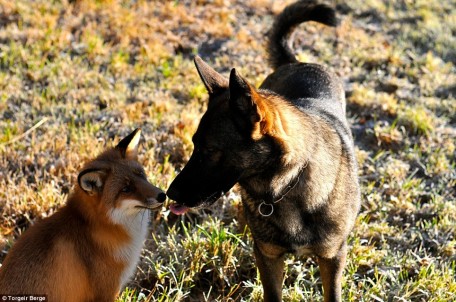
[(127, 189)]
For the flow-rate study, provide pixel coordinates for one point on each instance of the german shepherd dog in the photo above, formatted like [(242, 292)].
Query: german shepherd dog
[(289, 147), (89, 249)]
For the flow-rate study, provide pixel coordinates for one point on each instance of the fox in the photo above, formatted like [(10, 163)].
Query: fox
[(90, 247)]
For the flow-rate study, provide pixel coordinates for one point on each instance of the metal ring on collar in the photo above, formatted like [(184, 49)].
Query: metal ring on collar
[(269, 213)]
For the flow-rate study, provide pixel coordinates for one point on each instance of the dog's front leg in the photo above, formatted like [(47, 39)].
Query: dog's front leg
[(270, 262), (331, 275)]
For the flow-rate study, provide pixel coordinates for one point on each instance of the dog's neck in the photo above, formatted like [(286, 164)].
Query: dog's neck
[(270, 196), (294, 135), (305, 159)]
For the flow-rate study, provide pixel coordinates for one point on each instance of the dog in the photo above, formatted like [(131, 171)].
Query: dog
[(88, 249), (289, 147)]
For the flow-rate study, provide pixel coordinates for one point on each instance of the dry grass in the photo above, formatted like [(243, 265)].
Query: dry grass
[(90, 71)]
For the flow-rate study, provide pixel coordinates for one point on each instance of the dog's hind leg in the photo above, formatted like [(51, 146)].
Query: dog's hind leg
[(270, 262), (331, 275)]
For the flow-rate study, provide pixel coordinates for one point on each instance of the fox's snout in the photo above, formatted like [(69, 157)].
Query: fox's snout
[(154, 197), (159, 198)]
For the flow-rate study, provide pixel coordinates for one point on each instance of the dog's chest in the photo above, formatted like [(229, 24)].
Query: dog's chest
[(302, 251), (287, 226)]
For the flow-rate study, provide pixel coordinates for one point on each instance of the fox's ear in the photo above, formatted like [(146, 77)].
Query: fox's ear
[(91, 180), (243, 98), (128, 146), (213, 81)]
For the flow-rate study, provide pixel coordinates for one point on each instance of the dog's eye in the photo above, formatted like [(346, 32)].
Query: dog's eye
[(210, 150)]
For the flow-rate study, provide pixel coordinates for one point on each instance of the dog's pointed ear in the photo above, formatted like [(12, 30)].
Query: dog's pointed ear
[(243, 98), (128, 146), (91, 180), (213, 81)]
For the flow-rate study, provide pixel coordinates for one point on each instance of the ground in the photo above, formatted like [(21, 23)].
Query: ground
[(76, 76)]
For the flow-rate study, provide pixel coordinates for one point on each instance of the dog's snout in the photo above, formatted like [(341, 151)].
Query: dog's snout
[(161, 197), (173, 193)]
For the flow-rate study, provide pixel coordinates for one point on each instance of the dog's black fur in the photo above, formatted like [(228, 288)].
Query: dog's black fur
[(289, 147)]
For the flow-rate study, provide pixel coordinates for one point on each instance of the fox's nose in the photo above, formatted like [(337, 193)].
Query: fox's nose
[(161, 197)]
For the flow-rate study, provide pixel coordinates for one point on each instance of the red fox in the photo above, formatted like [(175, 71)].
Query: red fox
[(88, 249)]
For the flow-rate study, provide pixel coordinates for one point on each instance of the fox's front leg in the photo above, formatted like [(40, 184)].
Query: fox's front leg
[(270, 263)]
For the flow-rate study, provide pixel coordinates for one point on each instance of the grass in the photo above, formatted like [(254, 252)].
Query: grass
[(88, 72)]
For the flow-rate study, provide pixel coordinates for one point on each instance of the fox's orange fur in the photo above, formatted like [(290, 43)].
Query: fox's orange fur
[(89, 248)]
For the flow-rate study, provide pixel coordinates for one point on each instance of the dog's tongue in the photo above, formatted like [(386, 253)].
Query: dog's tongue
[(178, 209)]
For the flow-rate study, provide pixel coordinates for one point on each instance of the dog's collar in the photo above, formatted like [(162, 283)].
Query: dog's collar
[(266, 208)]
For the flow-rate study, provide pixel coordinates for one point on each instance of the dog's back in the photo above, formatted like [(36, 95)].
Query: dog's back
[(319, 89), (310, 87), (89, 248)]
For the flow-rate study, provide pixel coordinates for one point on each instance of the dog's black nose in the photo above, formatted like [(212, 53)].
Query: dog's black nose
[(161, 197)]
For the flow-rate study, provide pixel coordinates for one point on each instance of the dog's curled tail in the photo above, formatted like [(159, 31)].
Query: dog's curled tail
[(294, 14)]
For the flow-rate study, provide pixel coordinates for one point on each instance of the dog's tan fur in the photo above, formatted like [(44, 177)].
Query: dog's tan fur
[(289, 147)]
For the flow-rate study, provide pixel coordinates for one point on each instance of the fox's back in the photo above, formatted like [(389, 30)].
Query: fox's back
[(46, 246)]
